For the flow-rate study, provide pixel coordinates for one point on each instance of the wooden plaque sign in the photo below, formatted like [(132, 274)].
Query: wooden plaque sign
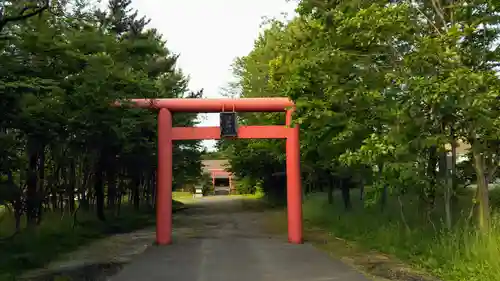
[(228, 124)]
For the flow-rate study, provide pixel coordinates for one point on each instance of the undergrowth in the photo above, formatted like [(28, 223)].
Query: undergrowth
[(456, 254), (57, 234)]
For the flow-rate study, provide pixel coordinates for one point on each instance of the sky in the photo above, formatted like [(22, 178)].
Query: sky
[(209, 35)]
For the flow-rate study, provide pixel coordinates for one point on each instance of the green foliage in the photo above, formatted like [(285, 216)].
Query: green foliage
[(247, 185), (62, 143), (370, 90), (382, 93), (60, 73), (206, 183), (459, 254), (57, 235)]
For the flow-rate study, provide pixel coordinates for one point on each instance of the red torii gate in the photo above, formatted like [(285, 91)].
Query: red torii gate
[(167, 134)]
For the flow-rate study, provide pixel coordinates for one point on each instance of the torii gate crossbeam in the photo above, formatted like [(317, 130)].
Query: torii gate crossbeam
[(167, 134)]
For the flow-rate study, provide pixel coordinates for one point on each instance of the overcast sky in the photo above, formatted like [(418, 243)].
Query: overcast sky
[(209, 34)]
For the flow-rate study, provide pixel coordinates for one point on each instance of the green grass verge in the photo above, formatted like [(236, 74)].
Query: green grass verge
[(55, 236), (179, 195), (454, 255)]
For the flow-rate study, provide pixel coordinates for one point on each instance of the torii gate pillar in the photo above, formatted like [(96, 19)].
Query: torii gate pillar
[(164, 179), (293, 182)]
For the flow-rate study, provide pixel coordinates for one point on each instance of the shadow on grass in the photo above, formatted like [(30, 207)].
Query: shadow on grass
[(260, 203)]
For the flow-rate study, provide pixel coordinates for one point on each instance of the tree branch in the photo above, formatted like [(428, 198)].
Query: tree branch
[(439, 12), (24, 14)]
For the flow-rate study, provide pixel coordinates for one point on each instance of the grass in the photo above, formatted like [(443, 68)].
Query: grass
[(365, 234), (256, 195), (55, 236), (184, 197), (179, 195)]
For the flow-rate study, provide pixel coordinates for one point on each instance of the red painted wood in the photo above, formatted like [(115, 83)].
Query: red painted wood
[(164, 184), (244, 132), (215, 105), (294, 188)]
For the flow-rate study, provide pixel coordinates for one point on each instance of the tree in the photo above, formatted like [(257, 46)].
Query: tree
[(382, 89), (27, 10), (61, 140)]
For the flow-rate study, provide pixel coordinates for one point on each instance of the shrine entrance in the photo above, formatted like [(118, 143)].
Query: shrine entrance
[(222, 179), (228, 129)]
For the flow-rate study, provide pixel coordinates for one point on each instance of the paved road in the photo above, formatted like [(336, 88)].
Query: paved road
[(216, 240)]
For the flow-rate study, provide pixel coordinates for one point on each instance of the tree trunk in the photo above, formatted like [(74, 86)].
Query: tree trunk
[(346, 195), (447, 205), (71, 185), (153, 189), (52, 184), (31, 187), (99, 188), (122, 190), (84, 201), (145, 188), (53, 199), (330, 194), (453, 170), (17, 203), (385, 191), (18, 212), (362, 191), (85, 186), (111, 179), (330, 190), (40, 183), (482, 189), (445, 180), (135, 191), (430, 193)]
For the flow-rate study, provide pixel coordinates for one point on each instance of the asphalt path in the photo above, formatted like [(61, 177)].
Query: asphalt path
[(216, 239)]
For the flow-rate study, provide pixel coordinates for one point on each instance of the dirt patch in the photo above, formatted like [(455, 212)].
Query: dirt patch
[(372, 262)]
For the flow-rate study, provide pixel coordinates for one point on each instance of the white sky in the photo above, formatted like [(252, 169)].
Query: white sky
[(208, 35)]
